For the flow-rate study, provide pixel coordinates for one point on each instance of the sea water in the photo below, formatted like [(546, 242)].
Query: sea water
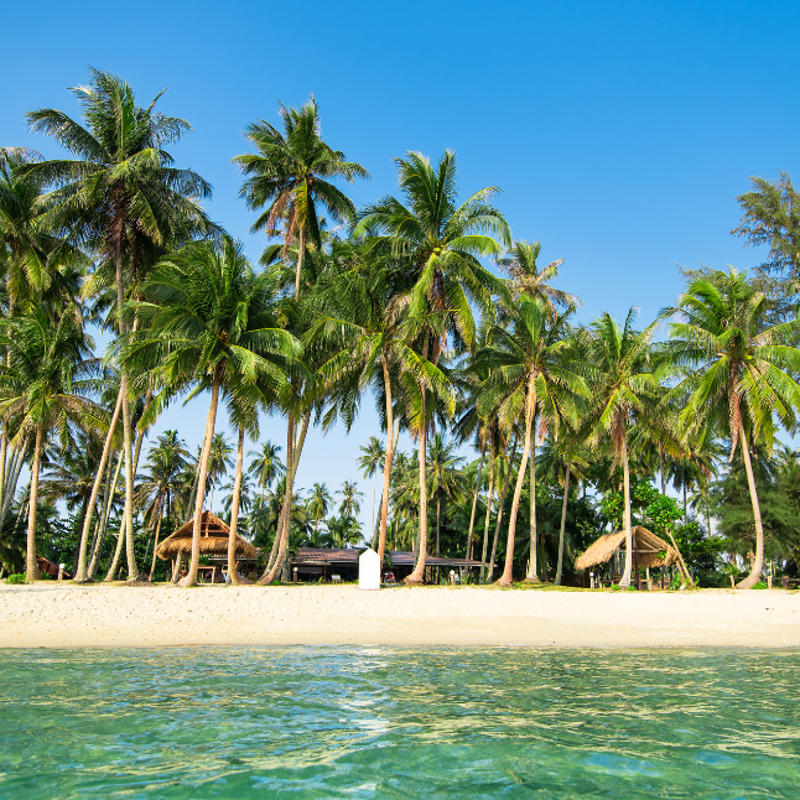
[(363, 722)]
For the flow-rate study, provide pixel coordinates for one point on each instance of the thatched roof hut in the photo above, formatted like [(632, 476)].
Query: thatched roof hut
[(213, 540), (647, 549)]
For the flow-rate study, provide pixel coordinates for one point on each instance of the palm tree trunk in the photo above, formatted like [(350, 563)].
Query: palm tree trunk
[(758, 562), (233, 572), (279, 527), (300, 253), (283, 551), (387, 464), (533, 556), (563, 527), (15, 465), (3, 458), (31, 564), (191, 577), (155, 543), (626, 478), (127, 514), (81, 574), (98, 547), (502, 502), (507, 578), (487, 521), (475, 494), (438, 522), (662, 470), (418, 575)]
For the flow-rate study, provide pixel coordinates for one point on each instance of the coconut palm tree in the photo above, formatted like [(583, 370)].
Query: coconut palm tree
[(318, 503), (209, 324), (123, 199), (446, 480), (266, 466), (44, 385), (441, 242), (621, 383), (350, 505), (738, 370), (520, 262), (531, 372), (291, 174), (370, 463)]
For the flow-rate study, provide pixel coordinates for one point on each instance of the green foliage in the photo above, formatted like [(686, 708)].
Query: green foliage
[(16, 579)]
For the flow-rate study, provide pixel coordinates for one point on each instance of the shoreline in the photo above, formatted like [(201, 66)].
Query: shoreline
[(63, 615)]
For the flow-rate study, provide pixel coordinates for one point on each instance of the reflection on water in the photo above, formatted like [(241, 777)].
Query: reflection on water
[(383, 722)]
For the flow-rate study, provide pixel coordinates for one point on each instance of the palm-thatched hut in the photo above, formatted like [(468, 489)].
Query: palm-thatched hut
[(214, 534), (649, 551)]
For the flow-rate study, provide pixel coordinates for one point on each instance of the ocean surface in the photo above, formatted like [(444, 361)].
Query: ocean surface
[(364, 722)]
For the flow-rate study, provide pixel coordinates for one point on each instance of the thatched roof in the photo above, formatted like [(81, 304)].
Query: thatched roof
[(647, 548), (213, 539)]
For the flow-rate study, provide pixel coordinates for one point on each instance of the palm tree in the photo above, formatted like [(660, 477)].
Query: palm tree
[(210, 326), (440, 241), (42, 385), (739, 371), (266, 466), (291, 174), (318, 503), (530, 373), (350, 505), (372, 460), (445, 477), (166, 462), (123, 199), (617, 363), (219, 461), (526, 277)]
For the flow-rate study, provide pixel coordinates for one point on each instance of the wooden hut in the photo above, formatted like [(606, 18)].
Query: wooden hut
[(214, 534), (649, 551)]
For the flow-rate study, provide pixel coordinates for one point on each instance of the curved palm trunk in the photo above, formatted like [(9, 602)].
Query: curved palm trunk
[(112, 570), (387, 464), (475, 494), (507, 578), (418, 575), (300, 253), (626, 577), (758, 562), (233, 572), (276, 544), (191, 577), (282, 559), (31, 564), (488, 519), (438, 522), (500, 507), (82, 573), (155, 543), (101, 535), (563, 527), (127, 514), (533, 560)]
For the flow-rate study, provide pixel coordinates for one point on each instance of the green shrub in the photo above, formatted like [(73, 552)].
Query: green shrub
[(760, 585), (17, 578)]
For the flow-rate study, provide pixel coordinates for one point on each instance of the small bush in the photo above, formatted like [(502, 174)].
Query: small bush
[(760, 585), (16, 579)]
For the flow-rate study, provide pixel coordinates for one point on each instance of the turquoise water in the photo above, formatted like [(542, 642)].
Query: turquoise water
[(399, 723)]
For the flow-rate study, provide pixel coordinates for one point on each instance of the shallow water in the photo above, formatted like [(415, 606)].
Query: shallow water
[(367, 722)]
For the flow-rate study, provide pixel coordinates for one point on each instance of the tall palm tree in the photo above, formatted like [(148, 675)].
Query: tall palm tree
[(520, 262), (166, 461), (446, 481), (621, 383), (209, 324), (291, 173), (43, 386), (123, 199), (219, 462), (266, 465), (738, 370), (530, 372), (318, 503), (350, 505), (441, 243), (370, 463)]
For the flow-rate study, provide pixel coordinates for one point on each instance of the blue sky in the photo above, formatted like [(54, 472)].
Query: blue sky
[(620, 133)]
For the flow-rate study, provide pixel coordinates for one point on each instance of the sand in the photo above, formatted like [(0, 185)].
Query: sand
[(65, 615)]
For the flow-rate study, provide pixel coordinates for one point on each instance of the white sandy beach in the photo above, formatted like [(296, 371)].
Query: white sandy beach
[(65, 615)]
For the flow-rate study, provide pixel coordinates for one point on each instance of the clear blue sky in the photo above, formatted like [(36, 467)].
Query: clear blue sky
[(619, 133)]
